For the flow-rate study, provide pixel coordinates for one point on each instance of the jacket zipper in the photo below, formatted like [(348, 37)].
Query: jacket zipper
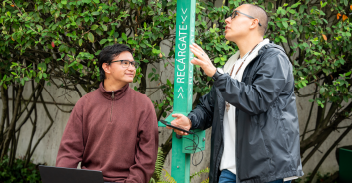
[(112, 99)]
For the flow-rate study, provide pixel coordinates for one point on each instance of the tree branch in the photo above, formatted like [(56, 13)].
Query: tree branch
[(5, 105), (328, 152), (47, 130), (12, 124)]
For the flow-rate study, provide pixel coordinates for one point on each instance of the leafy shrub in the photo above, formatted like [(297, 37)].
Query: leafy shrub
[(18, 172)]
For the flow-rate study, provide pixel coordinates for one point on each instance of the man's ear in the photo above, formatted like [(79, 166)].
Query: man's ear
[(254, 24), (106, 68)]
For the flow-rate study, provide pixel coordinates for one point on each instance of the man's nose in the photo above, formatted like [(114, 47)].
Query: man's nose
[(228, 20), (131, 67)]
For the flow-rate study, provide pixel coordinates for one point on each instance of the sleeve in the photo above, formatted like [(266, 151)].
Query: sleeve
[(202, 115), (71, 146), (268, 82), (146, 148)]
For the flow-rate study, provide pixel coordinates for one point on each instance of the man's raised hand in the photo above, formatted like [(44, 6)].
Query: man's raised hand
[(202, 60)]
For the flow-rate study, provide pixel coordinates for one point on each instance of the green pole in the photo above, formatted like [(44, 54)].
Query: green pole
[(183, 83), (183, 88)]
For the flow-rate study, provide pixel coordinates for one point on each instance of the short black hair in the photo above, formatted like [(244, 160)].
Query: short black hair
[(259, 13), (108, 53)]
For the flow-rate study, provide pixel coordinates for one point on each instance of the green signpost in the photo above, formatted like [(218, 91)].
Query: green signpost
[(183, 91)]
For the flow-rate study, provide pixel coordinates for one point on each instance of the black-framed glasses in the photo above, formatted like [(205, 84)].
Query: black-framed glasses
[(126, 63), (234, 14)]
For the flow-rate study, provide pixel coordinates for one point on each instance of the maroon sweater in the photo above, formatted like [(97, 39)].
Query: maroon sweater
[(113, 132)]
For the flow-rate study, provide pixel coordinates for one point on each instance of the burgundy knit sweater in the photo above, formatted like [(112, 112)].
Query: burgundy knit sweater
[(113, 132)]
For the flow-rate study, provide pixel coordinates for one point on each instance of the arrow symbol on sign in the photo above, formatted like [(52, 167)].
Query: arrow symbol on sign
[(180, 89), (180, 95), (184, 12)]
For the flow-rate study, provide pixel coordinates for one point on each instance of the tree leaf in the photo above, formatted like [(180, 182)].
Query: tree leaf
[(325, 38), (216, 60), (283, 39), (124, 37), (295, 5), (285, 24), (301, 8), (91, 37), (103, 41), (95, 26), (279, 24), (106, 19), (344, 17), (151, 13), (80, 41)]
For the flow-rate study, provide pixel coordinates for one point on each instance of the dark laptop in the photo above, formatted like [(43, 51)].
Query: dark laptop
[(69, 175)]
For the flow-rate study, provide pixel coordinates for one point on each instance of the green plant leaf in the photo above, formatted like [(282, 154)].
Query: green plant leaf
[(90, 37), (124, 37), (93, 27), (285, 24), (80, 41), (103, 41)]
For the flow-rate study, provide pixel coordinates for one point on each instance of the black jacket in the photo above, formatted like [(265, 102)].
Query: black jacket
[(267, 129)]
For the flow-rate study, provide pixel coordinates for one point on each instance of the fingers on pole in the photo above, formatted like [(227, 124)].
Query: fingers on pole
[(196, 61), (175, 115)]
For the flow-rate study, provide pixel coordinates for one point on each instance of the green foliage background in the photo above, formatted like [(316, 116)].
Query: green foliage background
[(56, 43)]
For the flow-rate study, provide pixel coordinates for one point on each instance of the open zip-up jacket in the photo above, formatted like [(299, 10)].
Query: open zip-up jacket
[(267, 128)]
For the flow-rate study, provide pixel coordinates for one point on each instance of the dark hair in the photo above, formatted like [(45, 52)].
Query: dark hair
[(108, 53), (259, 12)]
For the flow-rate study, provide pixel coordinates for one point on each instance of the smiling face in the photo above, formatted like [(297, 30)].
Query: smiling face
[(117, 72), (241, 25)]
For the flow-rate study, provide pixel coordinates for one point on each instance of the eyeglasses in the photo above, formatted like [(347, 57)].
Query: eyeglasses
[(234, 14), (126, 63)]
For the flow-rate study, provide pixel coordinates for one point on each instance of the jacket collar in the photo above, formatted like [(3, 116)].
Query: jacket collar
[(233, 59), (270, 45), (113, 95)]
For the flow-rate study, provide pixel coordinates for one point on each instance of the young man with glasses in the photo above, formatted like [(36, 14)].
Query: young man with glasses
[(251, 107), (114, 128)]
